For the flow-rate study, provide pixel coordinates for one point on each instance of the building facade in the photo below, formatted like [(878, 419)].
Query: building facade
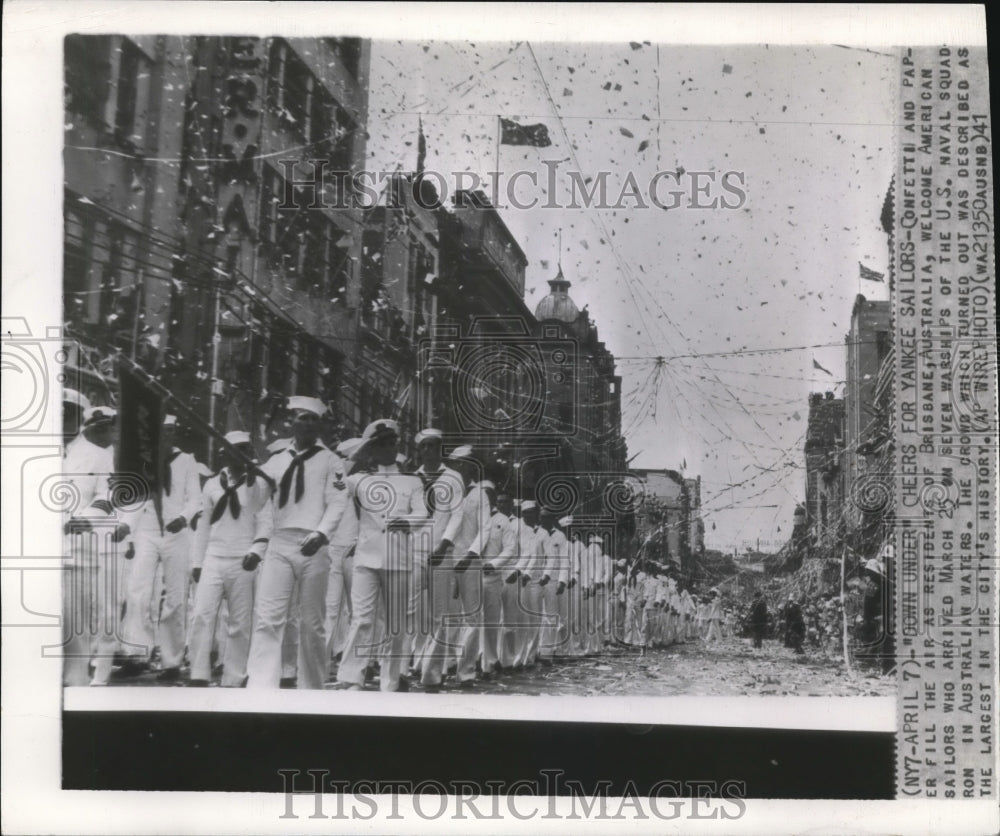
[(206, 230), (824, 468), (398, 308), (868, 345), (211, 236), (669, 527), (582, 397)]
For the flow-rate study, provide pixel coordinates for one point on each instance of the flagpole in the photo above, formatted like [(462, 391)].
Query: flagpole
[(138, 312), (496, 173)]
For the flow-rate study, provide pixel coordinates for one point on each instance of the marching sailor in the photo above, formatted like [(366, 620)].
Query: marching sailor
[(444, 492), (505, 564), (495, 546), (531, 571), (307, 505), (338, 592), (460, 551), (235, 522), (556, 549), (90, 594), (389, 505), (167, 545)]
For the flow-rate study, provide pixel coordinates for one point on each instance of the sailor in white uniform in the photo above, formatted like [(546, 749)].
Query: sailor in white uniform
[(307, 506), (431, 590), (500, 590), (338, 593), (92, 534), (167, 546), (556, 549), (460, 551), (391, 513), (531, 571), (235, 522)]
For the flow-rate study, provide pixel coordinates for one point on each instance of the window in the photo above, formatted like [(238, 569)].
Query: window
[(283, 231), (87, 76), (420, 266), (305, 380), (299, 98), (326, 266), (278, 362), (129, 64), (339, 266), (329, 375), (99, 270), (76, 266), (348, 50), (107, 85)]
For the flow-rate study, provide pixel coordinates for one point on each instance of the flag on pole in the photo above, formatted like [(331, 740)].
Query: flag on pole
[(869, 274), (421, 147), (511, 133), (818, 366), (141, 413)]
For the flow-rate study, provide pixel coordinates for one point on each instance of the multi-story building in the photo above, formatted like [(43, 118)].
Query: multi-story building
[(871, 489), (668, 524), (824, 467), (207, 229), (542, 384), (582, 397), (868, 345), (477, 359), (398, 307)]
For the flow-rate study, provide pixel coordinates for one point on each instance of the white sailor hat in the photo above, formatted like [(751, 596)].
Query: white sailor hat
[(463, 451), (428, 434), (98, 415), (594, 538), (876, 566), (400, 459), (278, 445), (379, 429), (621, 563), (238, 437), (169, 420), (348, 447), (313, 405), (528, 505), (74, 397), (567, 520)]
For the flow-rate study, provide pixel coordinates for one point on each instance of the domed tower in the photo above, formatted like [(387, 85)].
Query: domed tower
[(558, 305)]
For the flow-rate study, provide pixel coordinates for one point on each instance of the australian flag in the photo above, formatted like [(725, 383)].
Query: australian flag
[(511, 133)]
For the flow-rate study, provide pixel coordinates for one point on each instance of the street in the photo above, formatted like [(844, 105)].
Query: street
[(729, 667)]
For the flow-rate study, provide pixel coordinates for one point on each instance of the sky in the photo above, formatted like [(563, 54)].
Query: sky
[(809, 128)]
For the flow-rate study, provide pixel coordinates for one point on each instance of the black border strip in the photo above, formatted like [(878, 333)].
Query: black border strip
[(244, 753)]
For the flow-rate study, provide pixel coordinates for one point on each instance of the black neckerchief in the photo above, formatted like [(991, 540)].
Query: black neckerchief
[(229, 498), (297, 469), (166, 475)]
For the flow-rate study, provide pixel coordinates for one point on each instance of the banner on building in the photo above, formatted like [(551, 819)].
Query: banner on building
[(141, 413)]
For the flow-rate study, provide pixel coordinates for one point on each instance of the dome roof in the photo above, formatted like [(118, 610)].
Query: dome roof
[(558, 304)]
